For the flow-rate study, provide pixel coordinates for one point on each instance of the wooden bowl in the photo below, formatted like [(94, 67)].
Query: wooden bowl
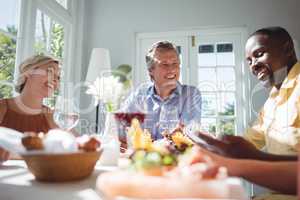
[(62, 167)]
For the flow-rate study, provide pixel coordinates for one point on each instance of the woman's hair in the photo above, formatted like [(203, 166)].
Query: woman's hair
[(29, 64)]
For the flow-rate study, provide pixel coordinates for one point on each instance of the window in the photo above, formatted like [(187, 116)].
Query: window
[(49, 36), (49, 27), (216, 78), (52, 27), (8, 41)]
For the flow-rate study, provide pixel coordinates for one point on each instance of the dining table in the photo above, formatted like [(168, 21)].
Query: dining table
[(17, 183)]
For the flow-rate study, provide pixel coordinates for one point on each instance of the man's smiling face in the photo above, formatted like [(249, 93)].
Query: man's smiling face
[(166, 68), (264, 57)]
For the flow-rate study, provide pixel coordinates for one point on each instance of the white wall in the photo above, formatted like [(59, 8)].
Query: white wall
[(113, 23)]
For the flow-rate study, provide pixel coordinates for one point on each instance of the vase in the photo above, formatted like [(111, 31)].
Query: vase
[(110, 141)]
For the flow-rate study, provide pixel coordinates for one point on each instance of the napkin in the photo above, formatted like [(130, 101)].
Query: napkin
[(11, 140)]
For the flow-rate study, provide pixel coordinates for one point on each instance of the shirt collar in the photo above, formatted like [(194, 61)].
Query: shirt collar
[(178, 89), (151, 90), (289, 81), (176, 92)]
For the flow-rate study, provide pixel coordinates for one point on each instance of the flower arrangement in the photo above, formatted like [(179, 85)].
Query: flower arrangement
[(107, 89), (111, 87)]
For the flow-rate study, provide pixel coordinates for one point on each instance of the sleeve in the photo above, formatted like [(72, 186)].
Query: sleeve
[(255, 133), (3, 109), (296, 134), (192, 106)]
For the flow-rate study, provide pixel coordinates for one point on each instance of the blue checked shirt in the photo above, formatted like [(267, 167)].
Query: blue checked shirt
[(186, 100)]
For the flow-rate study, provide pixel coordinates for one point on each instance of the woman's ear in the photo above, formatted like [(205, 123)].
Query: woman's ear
[(29, 73)]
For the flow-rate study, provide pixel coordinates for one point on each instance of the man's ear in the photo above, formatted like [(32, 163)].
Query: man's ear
[(288, 48), (150, 72)]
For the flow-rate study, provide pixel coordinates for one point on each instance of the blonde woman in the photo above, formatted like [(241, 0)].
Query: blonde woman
[(39, 78)]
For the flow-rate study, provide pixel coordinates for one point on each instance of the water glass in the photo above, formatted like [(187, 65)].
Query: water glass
[(168, 118), (65, 114)]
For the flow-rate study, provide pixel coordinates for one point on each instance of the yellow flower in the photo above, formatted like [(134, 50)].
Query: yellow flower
[(179, 139)]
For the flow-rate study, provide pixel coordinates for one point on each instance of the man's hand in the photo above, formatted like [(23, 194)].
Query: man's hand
[(3, 155), (229, 146), (238, 147)]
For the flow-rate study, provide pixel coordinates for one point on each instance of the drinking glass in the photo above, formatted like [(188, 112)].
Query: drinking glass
[(65, 114), (168, 118)]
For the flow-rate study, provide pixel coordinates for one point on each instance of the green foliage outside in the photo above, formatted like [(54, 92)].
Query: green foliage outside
[(56, 43), (226, 126), (123, 72), (7, 61)]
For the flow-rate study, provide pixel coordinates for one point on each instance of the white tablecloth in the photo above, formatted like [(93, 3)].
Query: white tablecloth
[(17, 183)]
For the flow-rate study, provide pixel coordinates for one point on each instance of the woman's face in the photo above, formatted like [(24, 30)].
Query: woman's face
[(44, 79)]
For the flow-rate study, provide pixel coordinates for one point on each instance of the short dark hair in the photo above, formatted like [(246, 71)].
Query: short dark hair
[(162, 45), (275, 33)]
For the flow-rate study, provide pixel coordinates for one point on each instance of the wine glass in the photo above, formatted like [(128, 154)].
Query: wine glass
[(168, 118), (65, 114)]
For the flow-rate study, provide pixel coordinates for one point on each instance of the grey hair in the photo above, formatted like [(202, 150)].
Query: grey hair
[(161, 45)]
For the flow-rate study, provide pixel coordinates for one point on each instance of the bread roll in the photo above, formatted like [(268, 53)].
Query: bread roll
[(33, 141)]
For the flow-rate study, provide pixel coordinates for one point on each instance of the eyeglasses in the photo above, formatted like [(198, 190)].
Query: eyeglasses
[(49, 71)]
